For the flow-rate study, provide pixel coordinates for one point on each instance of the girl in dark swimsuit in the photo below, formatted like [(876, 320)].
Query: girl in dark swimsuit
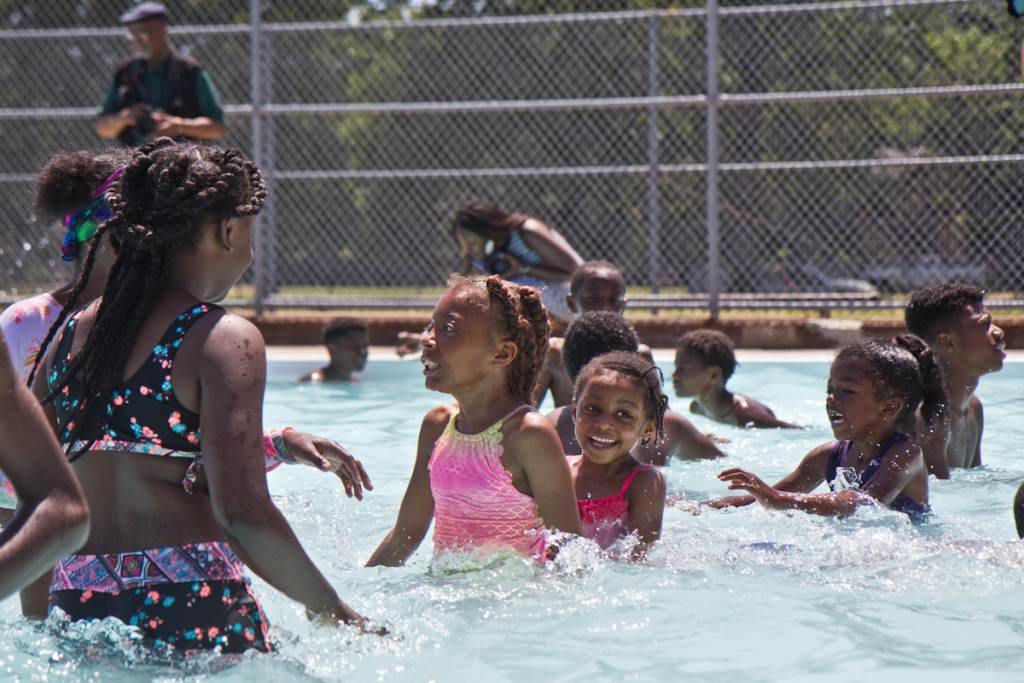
[(874, 390), (157, 396)]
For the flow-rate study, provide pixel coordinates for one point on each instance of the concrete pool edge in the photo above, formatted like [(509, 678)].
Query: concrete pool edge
[(317, 354)]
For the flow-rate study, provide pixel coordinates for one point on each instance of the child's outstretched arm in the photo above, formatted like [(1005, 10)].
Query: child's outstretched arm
[(804, 479), (560, 259), (537, 448), (646, 500), (417, 509), (289, 445), (897, 470), (52, 518)]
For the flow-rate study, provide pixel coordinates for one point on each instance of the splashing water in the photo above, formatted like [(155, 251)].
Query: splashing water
[(744, 594)]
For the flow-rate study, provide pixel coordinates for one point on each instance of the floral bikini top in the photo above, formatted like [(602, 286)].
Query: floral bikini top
[(142, 414)]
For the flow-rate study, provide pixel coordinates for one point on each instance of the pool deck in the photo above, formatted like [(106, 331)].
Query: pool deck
[(317, 354)]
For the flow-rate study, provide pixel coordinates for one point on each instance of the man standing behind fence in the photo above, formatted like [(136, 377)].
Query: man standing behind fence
[(160, 92)]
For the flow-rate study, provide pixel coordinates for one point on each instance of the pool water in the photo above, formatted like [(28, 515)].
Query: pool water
[(743, 595)]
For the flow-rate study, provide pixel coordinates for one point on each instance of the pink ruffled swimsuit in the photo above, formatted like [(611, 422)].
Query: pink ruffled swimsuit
[(476, 507), (605, 520)]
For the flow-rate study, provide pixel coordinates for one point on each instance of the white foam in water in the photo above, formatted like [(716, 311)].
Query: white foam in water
[(734, 595)]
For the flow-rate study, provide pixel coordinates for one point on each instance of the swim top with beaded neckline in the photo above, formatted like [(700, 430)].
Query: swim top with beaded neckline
[(142, 414), (476, 507)]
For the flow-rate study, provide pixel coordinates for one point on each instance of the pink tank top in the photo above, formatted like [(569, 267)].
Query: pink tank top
[(605, 520), (476, 507)]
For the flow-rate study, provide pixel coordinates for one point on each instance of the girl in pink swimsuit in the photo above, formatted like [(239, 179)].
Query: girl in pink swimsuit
[(489, 471), (616, 403)]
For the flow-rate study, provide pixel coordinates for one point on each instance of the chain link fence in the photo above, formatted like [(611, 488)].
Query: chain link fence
[(723, 156)]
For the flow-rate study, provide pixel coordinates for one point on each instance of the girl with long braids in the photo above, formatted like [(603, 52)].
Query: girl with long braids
[(72, 187), (489, 471), (157, 395)]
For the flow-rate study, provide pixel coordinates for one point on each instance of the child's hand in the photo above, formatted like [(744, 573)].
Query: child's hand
[(328, 456), (406, 343), (740, 480), (718, 439)]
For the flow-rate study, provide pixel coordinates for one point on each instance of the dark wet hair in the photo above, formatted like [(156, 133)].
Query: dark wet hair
[(713, 348), (1018, 511), (167, 192), (488, 221), (522, 316), (339, 327), (645, 374), (933, 309), (594, 268), (593, 334), (905, 370)]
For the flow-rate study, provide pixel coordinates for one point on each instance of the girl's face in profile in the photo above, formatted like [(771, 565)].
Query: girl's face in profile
[(458, 344), (855, 411)]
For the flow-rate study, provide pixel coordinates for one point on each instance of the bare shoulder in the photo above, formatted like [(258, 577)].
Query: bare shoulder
[(675, 422), (532, 435), (437, 418), (906, 450), (650, 478), (555, 415), (228, 328), (818, 456), (747, 406), (535, 226), (977, 410), (554, 355)]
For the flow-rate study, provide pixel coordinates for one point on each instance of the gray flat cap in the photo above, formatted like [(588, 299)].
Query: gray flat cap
[(143, 11)]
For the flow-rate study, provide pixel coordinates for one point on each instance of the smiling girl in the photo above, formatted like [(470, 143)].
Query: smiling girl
[(874, 390), (618, 402), (489, 471)]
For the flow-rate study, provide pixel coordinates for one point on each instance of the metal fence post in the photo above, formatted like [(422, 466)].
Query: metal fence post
[(714, 250), (256, 97), (653, 217)]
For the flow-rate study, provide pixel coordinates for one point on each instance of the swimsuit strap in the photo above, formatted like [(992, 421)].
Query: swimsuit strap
[(875, 463), (835, 459), (631, 477), (502, 421)]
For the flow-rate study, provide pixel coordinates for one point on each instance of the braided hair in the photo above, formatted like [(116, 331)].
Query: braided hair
[(645, 374), (168, 191), (521, 315)]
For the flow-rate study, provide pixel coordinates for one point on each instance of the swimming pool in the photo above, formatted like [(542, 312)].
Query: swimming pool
[(739, 595)]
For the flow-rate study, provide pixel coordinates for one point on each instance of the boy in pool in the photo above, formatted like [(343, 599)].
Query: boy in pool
[(348, 344), (595, 286), (953, 320), (594, 334), (704, 363)]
